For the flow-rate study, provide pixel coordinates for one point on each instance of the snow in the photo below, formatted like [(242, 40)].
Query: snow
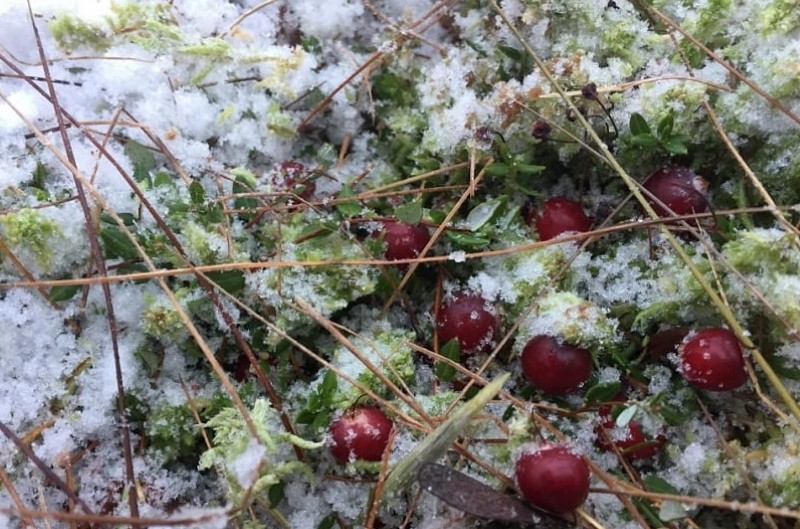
[(60, 378)]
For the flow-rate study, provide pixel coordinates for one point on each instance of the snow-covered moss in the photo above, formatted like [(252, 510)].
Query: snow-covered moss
[(32, 237)]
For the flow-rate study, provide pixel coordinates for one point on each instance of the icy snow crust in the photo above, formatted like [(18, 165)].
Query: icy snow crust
[(206, 98)]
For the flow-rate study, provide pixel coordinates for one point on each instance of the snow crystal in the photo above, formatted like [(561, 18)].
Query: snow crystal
[(247, 464)]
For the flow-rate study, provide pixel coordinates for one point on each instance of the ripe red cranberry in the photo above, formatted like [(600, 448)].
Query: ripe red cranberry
[(296, 175), (679, 188), (553, 478), (554, 367), (360, 434), (712, 360), (559, 215), (629, 440), (404, 241), (470, 319)]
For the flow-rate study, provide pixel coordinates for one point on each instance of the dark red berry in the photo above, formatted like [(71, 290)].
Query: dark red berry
[(679, 188), (553, 478), (470, 319), (559, 215), (404, 241), (297, 179), (360, 434), (712, 360), (554, 367), (629, 440)]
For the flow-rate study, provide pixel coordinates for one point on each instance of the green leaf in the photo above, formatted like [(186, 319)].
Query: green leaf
[(117, 245), (665, 126), (197, 193), (483, 213), (498, 169), (602, 392), (143, 161), (511, 53), (245, 183), (409, 213), (231, 281), (350, 208), (163, 179), (626, 416), (639, 125), (128, 219), (63, 293), (467, 240), (660, 485), (318, 408), (327, 522), (450, 350), (276, 493), (646, 141), (675, 147), (529, 169)]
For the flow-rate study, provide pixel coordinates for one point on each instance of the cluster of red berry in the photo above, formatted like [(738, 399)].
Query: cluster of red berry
[(710, 359)]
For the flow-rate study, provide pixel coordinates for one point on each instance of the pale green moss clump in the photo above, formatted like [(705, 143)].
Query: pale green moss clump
[(568, 317), (149, 25), (768, 259), (388, 350), (31, 237), (327, 288), (253, 465)]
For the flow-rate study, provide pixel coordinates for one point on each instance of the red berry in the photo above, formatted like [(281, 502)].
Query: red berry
[(559, 215), (712, 360), (553, 478), (679, 188), (360, 434), (629, 440), (404, 241), (470, 319), (554, 367), (296, 179)]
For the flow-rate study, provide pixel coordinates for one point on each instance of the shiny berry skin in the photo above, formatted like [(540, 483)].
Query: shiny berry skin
[(470, 319), (712, 360), (554, 367), (360, 434), (296, 179), (553, 478), (629, 440), (559, 215), (404, 241), (679, 188)]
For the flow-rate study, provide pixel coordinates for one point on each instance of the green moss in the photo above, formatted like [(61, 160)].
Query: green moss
[(72, 33), (780, 16), (28, 230), (148, 25), (172, 432)]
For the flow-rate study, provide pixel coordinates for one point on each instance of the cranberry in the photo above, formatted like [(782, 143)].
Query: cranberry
[(712, 359), (554, 367), (559, 215), (404, 241), (629, 440), (297, 179), (360, 434), (553, 478), (679, 188), (471, 320)]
